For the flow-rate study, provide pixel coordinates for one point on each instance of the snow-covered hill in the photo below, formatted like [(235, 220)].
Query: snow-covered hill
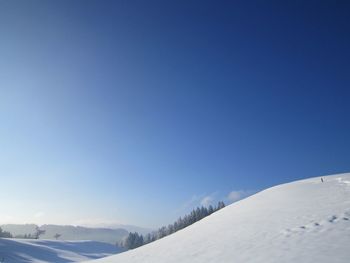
[(303, 221), (29, 250), (68, 232)]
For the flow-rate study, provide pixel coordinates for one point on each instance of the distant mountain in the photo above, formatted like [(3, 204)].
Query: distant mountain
[(16, 229), (70, 232), (131, 228)]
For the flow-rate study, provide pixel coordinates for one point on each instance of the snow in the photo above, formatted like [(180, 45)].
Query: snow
[(40, 251), (305, 221)]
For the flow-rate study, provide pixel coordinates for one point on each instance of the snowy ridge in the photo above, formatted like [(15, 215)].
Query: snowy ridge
[(30, 250), (303, 221)]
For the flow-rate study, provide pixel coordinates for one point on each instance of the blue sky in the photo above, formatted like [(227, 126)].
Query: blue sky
[(137, 111)]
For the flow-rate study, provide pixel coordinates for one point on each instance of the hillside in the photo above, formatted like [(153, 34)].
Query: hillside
[(304, 221), (25, 250), (71, 232)]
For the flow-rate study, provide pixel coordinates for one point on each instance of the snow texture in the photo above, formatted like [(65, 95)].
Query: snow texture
[(305, 221), (40, 251)]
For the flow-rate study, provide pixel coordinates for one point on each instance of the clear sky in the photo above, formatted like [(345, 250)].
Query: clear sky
[(137, 111)]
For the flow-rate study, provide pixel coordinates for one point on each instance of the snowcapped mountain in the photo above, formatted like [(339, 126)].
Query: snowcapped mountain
[(304, 221), (30, 250)]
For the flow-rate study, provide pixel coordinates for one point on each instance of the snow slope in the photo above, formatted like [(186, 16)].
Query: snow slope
[(29, 250), (303, 221)]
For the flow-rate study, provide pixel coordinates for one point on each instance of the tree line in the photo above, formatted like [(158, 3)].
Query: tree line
[(5, 234), (135, 239)]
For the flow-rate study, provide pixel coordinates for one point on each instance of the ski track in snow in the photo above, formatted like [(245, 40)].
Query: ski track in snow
[(320, 226)]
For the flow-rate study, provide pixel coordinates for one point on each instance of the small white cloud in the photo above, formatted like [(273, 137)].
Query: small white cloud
[(194, 201), (207, 200), (190, 203), (236, 195)]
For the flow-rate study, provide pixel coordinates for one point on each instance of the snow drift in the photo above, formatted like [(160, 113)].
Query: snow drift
[(30, 250), (304, 221)]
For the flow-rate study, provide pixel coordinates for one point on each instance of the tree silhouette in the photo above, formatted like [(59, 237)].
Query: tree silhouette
[(38, 232)]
